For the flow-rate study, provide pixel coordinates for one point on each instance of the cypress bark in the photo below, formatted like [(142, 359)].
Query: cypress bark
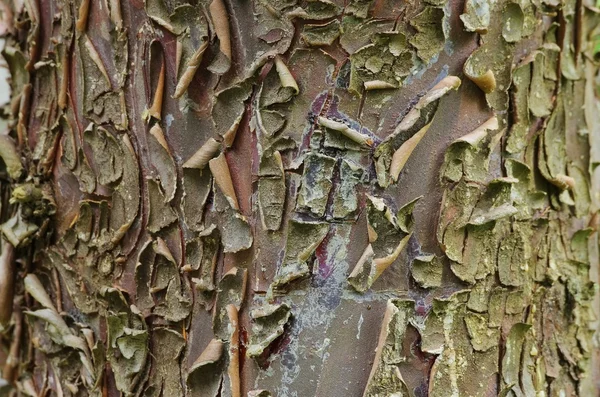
[(300, 198)]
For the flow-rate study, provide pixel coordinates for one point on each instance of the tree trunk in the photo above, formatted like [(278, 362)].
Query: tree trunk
[(300, 198)]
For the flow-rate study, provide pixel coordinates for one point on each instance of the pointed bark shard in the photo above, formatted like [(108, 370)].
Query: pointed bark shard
[(220, 170), (231, 290), (203, 155), (385, 378), (95, 57), (468, 156), (417, 118), (427, 271), (271, 191), (303, 238), (401, 155), (35, 288), (368, 268), (190, 70), (161, 214), (197, 185), (220, 19), (346, 195), (204, 377), (126, 197), (351, 133), (483, 338), (167, 346), (156, 108), (476, 15), (511, 361), (486, 80), (233, 370), (7, 283), (10, 157), (316, 183)]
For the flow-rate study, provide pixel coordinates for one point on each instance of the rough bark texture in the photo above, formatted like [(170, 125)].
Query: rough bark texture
[(300, 198)]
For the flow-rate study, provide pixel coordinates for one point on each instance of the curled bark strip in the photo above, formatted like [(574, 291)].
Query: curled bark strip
[(229, 136), (7, 283), (23, 114), (156, 108), (210, 355), (439, 90), (178, 55), (475, 136), (124, 119), (420, 115), (57, 289), (564, 182), (378, 85), (10, 156), (220, 170), (33, 38), (364, 260), (385, 377), (401, 155), (486, 80), (204, 378), (347, 131), (96, 58), (157, 133), (368, 268), (285, 76), (84, 10), (203, 155), (190, 70), (220, 20), (64, 82), (234, 351), (9, 372)]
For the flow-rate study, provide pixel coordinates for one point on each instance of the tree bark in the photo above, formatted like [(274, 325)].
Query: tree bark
[(300, 198)]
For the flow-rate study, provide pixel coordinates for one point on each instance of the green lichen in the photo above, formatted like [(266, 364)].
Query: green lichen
[(427, 271), (476, 16), (345, 197), (512, 357), (167, 346), (316, 183), (321, 35), (387, 59), (268, 322), (519, 130), (513, 256), (430, 38), (483, 338), (196, 189), (303, 238)]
